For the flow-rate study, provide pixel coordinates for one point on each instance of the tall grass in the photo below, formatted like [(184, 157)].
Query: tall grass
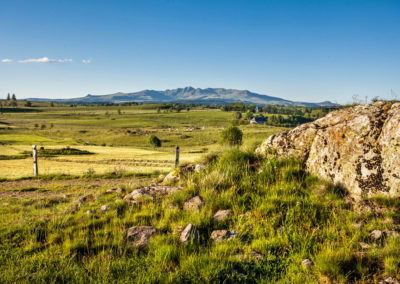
[(281, 214)]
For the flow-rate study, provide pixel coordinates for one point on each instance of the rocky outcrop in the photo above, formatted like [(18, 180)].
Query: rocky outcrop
[(356, 147)]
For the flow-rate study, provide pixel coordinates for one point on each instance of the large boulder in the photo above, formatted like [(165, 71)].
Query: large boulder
[(356, 147)]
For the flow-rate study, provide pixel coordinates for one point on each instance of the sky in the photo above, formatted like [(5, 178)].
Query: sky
[(298, 50)]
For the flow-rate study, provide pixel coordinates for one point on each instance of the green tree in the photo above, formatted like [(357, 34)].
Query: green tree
[(231, 136), (28, 104), (8, 97), (237, 115), (14, 98), (154, 141), (51, 104)]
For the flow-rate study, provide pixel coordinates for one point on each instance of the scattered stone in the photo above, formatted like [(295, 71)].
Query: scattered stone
[(376, 235), (135, 195), (391, 280), (105, 208), (89, 212), (189, 234), (199, 167), (307, 263), (364, 245), (193, 204), (150, 191), (223, 235), (86, 198), (171, 177), (221, 215), (357, 225), (140, 235), (113, 190)]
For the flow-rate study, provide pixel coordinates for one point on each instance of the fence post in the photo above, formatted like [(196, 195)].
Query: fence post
[(177, 156), (35, 165)]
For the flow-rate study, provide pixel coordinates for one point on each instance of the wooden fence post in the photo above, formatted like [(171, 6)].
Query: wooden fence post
[(35, 165), (177, 156)]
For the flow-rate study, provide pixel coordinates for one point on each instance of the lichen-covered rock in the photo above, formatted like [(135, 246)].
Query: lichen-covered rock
[(222, 215), (223, 235), (193, 204), (189, 234), (356, 147), (140, 235)]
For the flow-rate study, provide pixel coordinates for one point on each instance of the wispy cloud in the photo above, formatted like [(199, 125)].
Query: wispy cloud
[(6, 60), (44, 60), (86, 61)]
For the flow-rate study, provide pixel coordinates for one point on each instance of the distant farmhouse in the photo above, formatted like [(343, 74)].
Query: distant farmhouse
[(258, 120)]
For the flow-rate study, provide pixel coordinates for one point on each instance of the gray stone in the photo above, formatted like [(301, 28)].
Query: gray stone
[(307, 263), (194, 203), (223, 235), (364, 245), (391, 280), (355, 147), (104, 208), (222, 215), (376, 235), (199, 167), (136, 195), (140, 235), (189, 234)]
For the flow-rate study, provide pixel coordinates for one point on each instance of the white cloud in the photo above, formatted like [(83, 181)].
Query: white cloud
[(44, 60), (6, 60), (86, 61)]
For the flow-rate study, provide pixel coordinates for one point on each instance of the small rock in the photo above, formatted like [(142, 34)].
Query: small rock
[(189, 234), (105, 207), (375, 235), (222, 215), (113, 190), (364, 245), (171, 177), (86, 198), (135, 195), (222, 235), (357, 225), (199, 167), (307, 263), (140, 235), (391, 280), (194, 203)]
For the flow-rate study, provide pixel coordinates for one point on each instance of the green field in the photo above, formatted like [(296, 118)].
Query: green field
[(117, 135)]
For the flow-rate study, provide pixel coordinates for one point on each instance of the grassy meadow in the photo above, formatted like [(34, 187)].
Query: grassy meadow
[(117, 135), (281, 214)]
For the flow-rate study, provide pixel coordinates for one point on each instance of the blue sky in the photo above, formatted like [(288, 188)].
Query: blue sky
[(297, 50)]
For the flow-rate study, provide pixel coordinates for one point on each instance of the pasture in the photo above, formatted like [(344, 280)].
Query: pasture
[(116, 135)]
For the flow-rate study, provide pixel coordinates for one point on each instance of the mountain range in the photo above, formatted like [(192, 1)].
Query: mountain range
[(188, 95)]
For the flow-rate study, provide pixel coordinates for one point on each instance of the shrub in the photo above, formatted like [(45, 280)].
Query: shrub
[(231, 136), (154, 141), (237, 115)]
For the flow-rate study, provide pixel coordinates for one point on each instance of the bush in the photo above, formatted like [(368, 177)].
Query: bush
[(237, 115), (154, 141), (231, 136)]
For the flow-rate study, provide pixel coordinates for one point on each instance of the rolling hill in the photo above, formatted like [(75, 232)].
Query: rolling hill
[(187, 95)]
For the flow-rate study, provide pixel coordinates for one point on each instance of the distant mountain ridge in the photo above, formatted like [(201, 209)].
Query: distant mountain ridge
[(188, 95)]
